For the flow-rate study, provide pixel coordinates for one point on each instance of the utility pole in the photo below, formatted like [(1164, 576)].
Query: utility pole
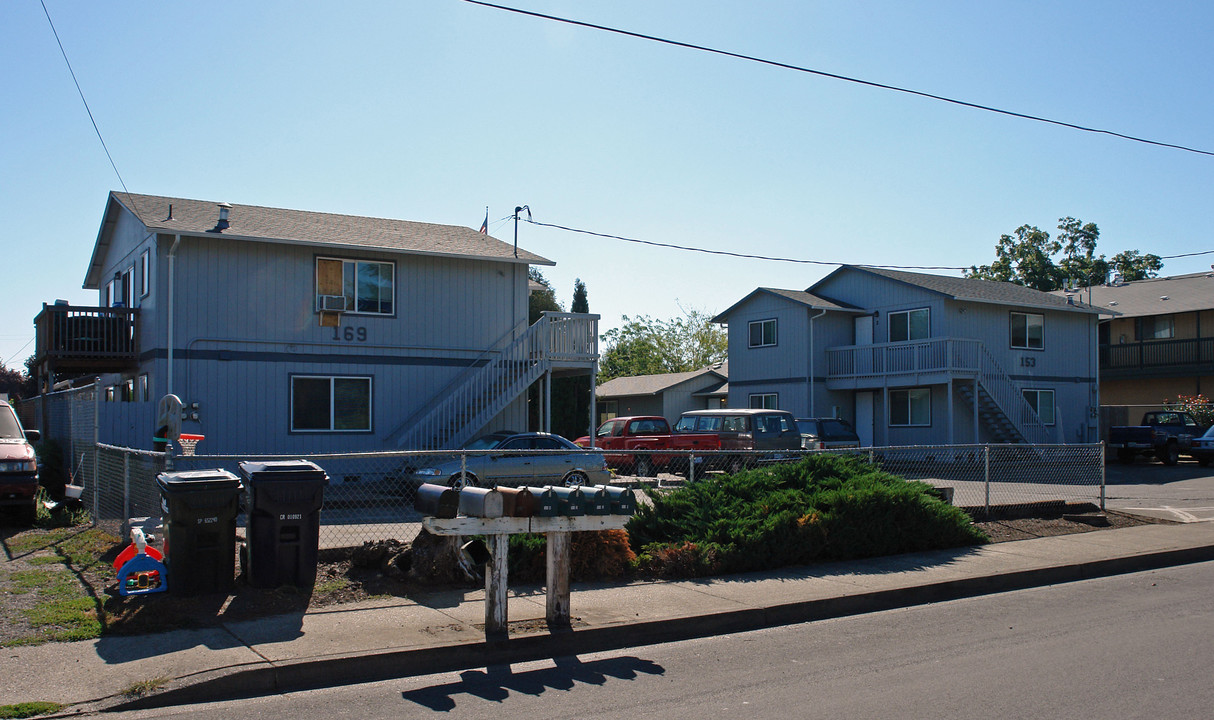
[(517, 210)]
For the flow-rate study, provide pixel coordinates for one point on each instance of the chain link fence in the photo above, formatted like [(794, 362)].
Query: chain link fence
[(370, 495)]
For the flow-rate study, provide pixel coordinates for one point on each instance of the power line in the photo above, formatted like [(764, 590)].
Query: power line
[(749, 256), (82, 99), (738, 255), (834, 76)]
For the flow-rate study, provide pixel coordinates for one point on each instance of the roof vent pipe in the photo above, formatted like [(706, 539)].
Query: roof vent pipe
[(224, 209)]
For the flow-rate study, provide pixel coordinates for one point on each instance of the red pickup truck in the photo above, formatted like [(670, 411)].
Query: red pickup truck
[(639, 432), (697, 430)]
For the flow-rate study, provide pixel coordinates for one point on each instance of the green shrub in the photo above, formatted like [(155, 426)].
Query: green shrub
[(825, 507), (592, 556)]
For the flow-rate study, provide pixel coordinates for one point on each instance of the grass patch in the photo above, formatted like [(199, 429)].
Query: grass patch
[(29, 709), (823, 508), (144, 687), (333, 585)]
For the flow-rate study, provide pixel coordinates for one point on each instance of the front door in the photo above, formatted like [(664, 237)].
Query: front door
[(864, 418)]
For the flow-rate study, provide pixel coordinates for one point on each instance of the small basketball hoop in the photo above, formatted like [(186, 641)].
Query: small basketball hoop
[(189, 442)]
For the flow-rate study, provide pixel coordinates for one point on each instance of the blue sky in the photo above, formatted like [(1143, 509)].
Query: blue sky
[(433, 110)]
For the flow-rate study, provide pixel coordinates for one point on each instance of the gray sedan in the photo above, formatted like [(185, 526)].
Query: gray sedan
[(512, 459)]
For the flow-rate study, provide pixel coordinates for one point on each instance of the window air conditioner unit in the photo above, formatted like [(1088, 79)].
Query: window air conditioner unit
[(333, 303)]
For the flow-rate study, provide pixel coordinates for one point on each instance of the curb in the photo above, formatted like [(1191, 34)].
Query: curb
[(334, 671)]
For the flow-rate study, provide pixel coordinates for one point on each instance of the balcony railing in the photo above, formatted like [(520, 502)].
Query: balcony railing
[(87, 338), (882, 360), (1158, 355)]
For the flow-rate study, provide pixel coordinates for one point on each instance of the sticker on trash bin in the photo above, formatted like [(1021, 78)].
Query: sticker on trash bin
[(207, 521), (295, 516)]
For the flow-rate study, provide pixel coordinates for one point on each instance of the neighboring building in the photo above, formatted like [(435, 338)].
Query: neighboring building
[(1160, 342), (665, 394), (285, 331), (917, 359)]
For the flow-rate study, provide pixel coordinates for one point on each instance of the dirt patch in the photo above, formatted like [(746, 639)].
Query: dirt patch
[(85, 555)]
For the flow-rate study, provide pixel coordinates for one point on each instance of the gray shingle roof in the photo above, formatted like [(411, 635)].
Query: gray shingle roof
[(802, 297), (252, 222), (654, 384), (970, 289), (1184, 293)]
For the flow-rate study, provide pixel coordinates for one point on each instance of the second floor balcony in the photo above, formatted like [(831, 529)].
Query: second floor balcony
[(1157, 358), (935, 360), (86, 339)]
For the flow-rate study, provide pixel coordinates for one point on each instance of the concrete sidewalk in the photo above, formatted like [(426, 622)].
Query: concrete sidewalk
[(443, 631)]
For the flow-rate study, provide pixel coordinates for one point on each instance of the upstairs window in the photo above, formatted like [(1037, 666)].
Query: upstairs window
[(1028, 331), (145, 273), (1158, 328), (763, 333), (355, 286), (906, 325)]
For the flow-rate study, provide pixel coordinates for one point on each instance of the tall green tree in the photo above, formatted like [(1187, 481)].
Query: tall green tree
[(581, 302), (648, 346), (543, 299), (1027, 257)]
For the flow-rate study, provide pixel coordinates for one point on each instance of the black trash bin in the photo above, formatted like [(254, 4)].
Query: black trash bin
[(199, 509), (283, 529)]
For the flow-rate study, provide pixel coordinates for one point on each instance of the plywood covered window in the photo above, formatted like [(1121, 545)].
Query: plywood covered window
[(355, 286)]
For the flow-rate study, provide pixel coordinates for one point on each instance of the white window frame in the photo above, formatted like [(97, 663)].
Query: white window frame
[(889, 322), (351, 293), (764, 401), (911, 394), (128, 287), (333, 404), (763, 341), (1028, 337), (145, 273), (1035, 403)]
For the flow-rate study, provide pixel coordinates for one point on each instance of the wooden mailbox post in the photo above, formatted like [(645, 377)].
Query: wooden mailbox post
[(499, 531)]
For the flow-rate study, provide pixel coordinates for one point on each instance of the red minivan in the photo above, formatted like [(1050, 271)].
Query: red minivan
[(18, 465)]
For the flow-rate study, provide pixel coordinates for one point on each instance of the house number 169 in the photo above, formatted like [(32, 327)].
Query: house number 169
[(350, 334)]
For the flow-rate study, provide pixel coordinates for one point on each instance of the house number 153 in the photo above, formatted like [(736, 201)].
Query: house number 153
[(350, 334)]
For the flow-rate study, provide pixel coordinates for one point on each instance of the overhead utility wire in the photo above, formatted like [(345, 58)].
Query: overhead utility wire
[(738, 255), (86, 102), (835, 76), (780, 259)]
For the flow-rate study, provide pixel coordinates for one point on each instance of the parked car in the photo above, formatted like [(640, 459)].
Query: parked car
[(1165, 434), (827, 434), (18, 466), (1203, 448), (508, 458), (636, 432), (738, 429)]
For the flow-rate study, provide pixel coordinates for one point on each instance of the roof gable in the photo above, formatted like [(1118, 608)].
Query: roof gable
[(965, 289), (800, 297), (301, 227)]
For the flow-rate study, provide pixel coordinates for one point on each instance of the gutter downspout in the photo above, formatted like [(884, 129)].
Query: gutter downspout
[(172, 275), (812, 411)]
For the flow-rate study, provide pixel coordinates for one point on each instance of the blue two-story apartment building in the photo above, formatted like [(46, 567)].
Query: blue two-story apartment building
[(919, 359), (289, 331)]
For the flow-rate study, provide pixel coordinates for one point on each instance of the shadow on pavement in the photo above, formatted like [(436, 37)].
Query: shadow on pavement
[(495, 683)]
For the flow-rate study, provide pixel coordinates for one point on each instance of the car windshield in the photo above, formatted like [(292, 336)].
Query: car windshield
[(10, 429), (836, 428), (485, 442), (1209, 433), (807, 427)]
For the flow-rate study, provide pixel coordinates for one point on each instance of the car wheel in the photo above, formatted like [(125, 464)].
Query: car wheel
[(1203, 460), (28, 515), (1126, 457), (644, 466), (459, 481), (576, 479), (1171, 454)]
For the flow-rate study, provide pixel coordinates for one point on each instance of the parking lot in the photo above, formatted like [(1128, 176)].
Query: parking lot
[(1181, 493)]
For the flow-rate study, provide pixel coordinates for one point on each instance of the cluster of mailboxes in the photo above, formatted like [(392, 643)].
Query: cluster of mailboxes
[(551, 501)]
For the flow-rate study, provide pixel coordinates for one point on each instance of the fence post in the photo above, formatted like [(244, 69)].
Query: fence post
[(126, 495), (986, 462), (691, 467), (1100, 457)]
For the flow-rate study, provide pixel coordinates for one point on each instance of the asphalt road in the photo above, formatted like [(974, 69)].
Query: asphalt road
[(1131, 646)]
